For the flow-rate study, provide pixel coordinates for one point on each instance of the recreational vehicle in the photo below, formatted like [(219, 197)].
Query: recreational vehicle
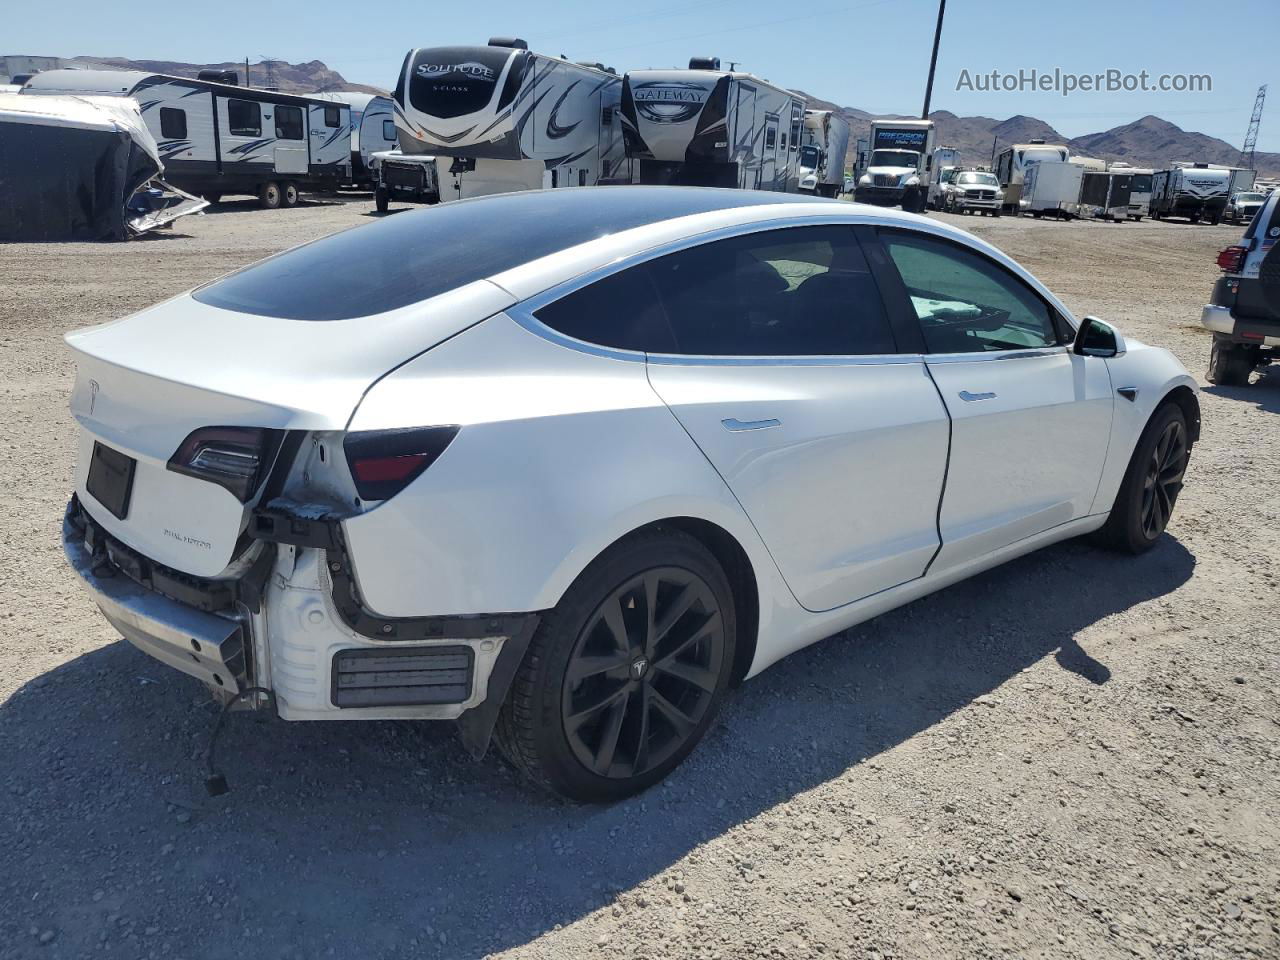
[(217, 138), (1140, 189), (946, 163), (1051, 188), (508, 119), (900, 163), (1197, 192), (824, 142), (373, 129), (710, 127), (1010, 167)]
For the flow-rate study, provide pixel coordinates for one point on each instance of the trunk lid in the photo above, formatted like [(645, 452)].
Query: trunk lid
[(145, 383)]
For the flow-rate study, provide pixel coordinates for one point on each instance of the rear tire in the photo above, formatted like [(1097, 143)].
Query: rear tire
[(213, 197), (289, 194), (1151, 483), (269, 195), (618, 684), (1230, 364)]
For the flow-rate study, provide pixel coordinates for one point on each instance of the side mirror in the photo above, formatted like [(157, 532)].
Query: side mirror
[(1097, 339)]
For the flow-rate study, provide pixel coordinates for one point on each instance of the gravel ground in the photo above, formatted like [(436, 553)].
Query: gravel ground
[(1075, 755)]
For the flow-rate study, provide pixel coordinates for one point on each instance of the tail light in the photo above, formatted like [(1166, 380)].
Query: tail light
[(235, 458), (1231, 260), (384, 462)]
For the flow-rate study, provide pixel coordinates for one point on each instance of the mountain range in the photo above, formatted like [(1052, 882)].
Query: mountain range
[(1147, 142)]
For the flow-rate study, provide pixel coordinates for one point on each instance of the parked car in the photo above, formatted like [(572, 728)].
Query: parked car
[(573, 463), (973, 191), (1242, 206), (1244, 309)]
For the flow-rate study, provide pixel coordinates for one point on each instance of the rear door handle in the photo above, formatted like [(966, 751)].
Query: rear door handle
[(968, 397), (734, 425)]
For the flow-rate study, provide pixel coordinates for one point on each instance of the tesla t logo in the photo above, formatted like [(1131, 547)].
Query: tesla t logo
[(93, 395), (476, 71), (638, 667)]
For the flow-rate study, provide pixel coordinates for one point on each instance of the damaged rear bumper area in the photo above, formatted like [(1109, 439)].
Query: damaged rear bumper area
[(293, 623)]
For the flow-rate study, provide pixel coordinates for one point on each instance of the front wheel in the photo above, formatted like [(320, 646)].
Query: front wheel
[(625, 675), (1151, 483)]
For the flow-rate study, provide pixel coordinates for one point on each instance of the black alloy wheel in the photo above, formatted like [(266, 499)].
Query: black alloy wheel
[(644, 671), (1163, 481)]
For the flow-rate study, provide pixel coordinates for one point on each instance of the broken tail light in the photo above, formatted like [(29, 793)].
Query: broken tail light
[(384, 462), (1231, 260), (235, 458)]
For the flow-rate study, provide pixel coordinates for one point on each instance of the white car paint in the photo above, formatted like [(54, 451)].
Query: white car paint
[(565, 448)]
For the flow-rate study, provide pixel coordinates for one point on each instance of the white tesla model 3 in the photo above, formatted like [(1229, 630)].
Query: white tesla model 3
[(567, 465)]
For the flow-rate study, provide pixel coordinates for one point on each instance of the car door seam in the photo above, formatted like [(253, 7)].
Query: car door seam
[(946, 467), (725, 483)]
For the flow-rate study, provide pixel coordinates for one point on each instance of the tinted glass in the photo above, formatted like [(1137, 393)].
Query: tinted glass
[(244, 118), (620, 311), (173, 123), (289, 123), (454, 81), (332, 117), (388, 130), (803, 291), (965, 302), (416, 255)]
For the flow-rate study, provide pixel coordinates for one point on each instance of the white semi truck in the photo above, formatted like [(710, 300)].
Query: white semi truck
[(945, 165), (898, 169), (824, 143)]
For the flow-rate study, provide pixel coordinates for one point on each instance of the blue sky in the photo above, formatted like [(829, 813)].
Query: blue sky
[(872, 54)]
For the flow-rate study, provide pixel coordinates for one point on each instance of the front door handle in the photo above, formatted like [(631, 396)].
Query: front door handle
[(734, 425), (968, 397)]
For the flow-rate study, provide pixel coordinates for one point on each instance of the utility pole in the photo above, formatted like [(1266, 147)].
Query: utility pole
[(246, 71), (933, 60), (1251, 136)]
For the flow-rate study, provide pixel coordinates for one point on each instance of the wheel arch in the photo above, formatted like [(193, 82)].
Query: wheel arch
[(1186, 399)]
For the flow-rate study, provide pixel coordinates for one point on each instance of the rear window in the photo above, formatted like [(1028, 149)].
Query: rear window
[(416, 255)]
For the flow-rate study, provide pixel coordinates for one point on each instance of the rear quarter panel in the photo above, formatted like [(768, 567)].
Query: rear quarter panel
[(560, 454)]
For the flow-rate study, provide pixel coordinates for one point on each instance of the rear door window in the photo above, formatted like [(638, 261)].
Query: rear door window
[(332, 117), (802, 291)]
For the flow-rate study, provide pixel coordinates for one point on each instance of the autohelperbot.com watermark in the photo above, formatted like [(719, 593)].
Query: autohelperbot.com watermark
[(1065, 82)]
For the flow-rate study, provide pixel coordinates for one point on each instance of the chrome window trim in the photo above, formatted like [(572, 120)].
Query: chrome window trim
[(984, 355), (523, 312)]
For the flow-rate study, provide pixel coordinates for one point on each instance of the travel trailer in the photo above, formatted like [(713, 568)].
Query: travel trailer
[(501, 118), (1196, 191), (824, 142), (900, 163), (217, 138), (1140, 188), (1010, 166), (81, 168), (373, 129), (710, 127), (1051, 188)]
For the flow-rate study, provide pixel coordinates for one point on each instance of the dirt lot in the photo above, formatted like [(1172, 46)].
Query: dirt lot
[(1076, 755)]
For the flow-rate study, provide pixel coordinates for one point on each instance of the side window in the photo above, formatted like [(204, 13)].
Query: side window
[(332, 117), (289, 123), (244, 118), (620, 311), (388, 130), (804, 291), (965, 302), (173, 123), (770, 137)]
